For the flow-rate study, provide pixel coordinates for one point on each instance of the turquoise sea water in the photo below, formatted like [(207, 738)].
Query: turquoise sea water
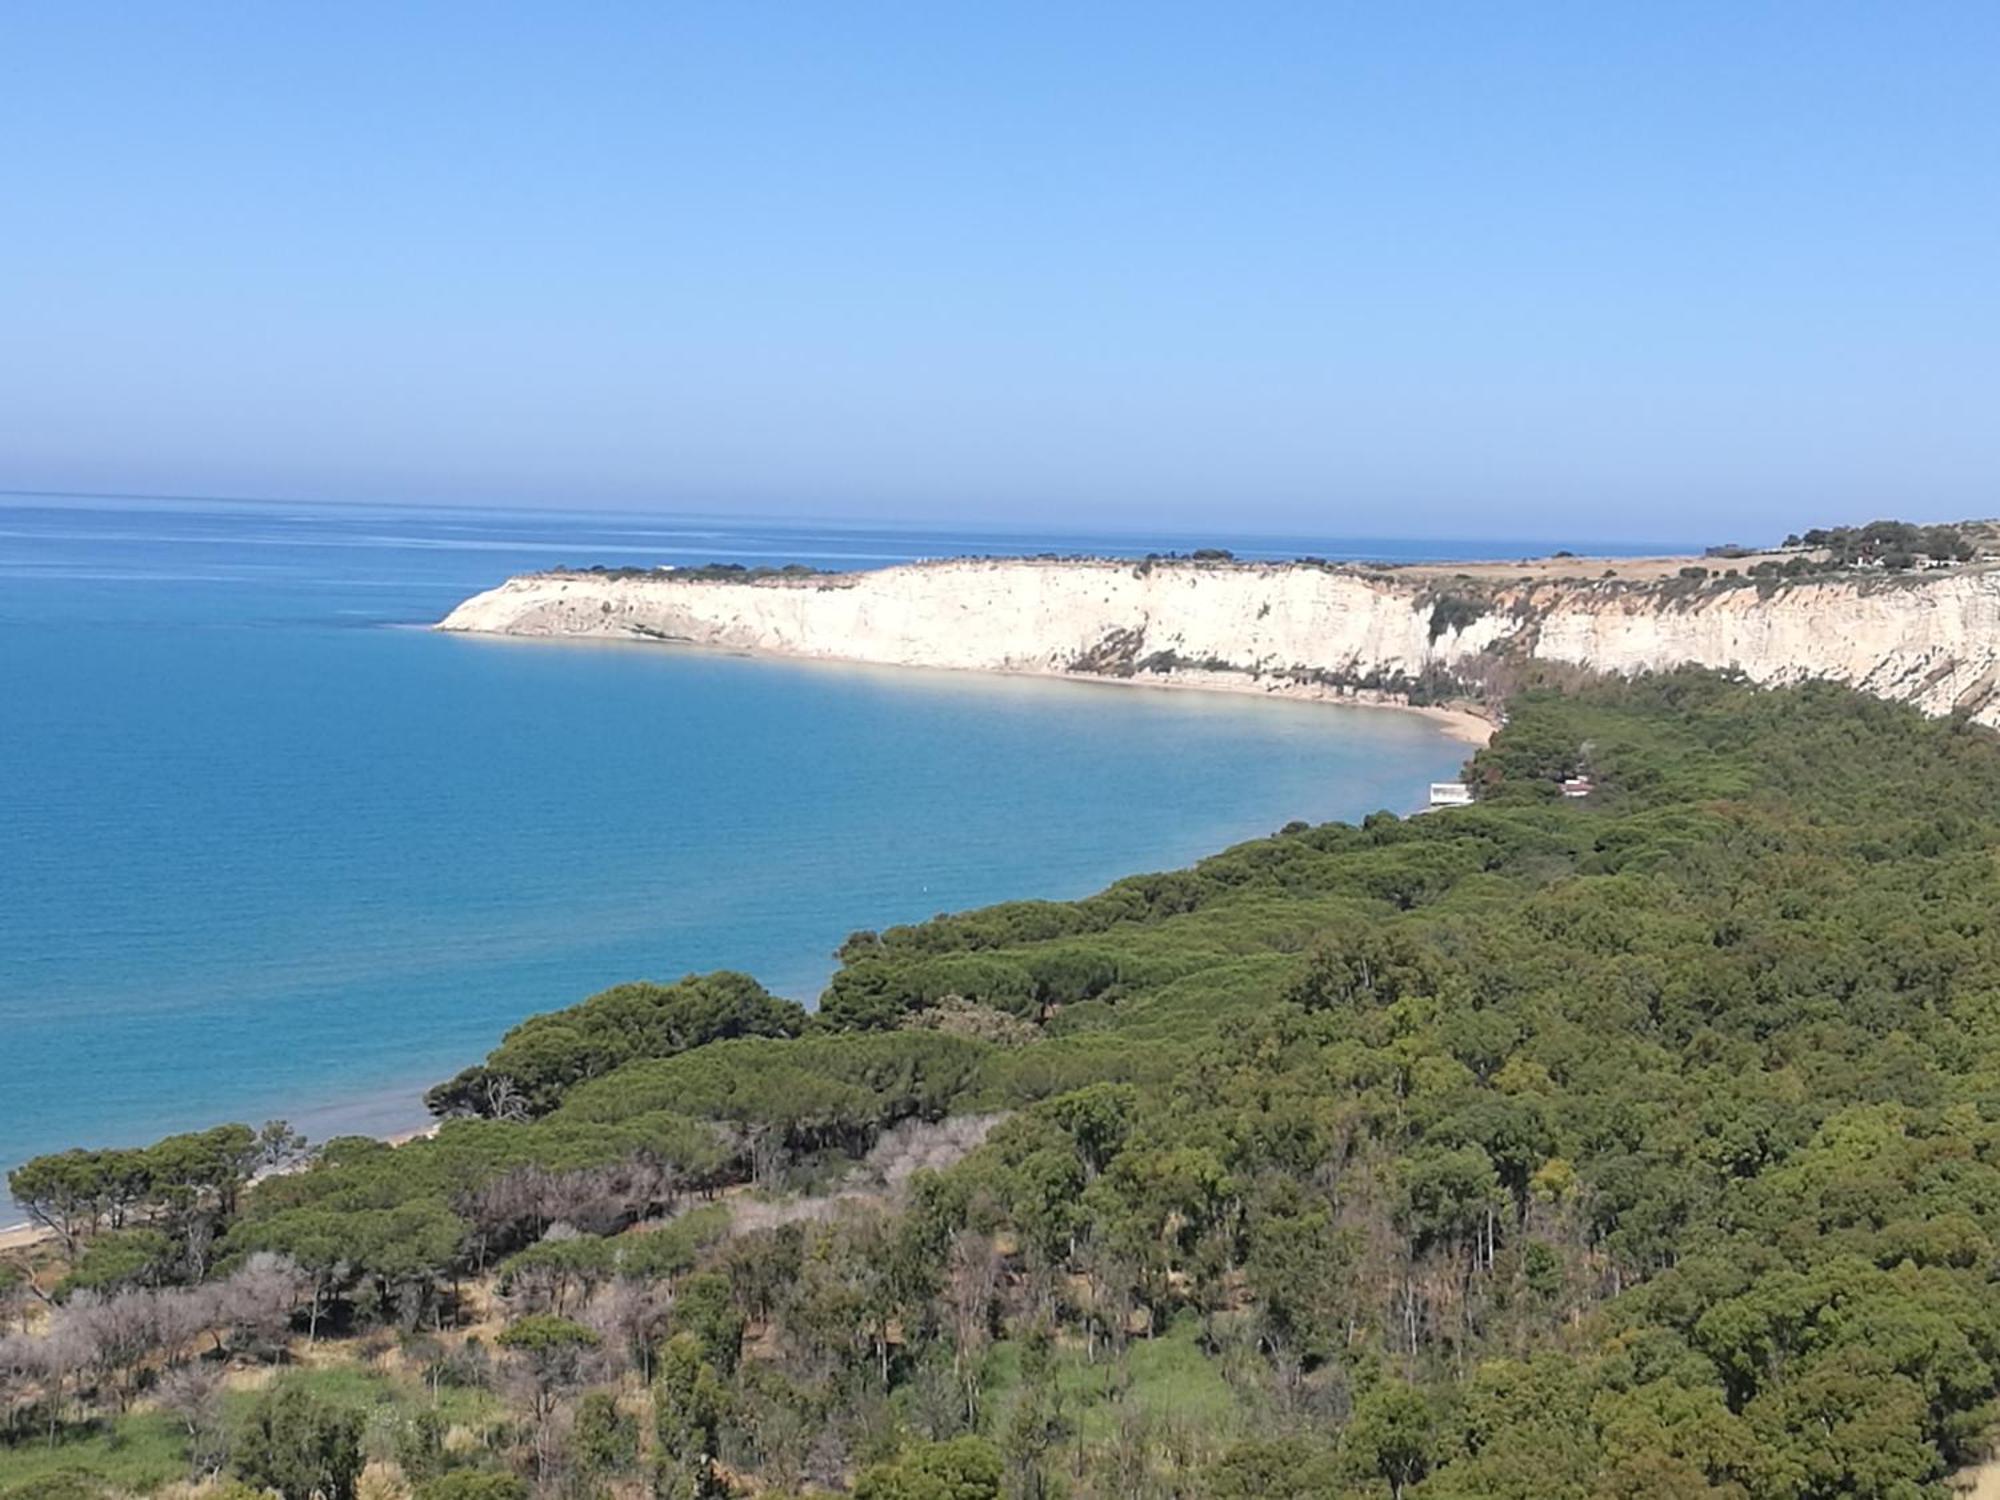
[(270, 850)]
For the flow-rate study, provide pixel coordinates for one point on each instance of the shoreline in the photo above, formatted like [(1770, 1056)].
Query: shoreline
[(1462, 720), (1369, 635)]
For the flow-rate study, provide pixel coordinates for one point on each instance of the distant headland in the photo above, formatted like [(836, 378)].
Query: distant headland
[(1908, 613)]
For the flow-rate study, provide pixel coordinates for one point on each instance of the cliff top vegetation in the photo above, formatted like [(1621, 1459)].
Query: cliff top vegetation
[(1879, 546)]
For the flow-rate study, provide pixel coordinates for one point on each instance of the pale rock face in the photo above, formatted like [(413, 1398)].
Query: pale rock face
[(1934, 642)]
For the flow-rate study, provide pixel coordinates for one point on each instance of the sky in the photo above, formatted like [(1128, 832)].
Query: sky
[(1684, 271)]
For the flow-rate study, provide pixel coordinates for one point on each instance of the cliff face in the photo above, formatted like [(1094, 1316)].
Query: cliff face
[(1933, 641)]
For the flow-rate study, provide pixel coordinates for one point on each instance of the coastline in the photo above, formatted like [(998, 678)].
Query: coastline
[(1308, 633), (1460, 723), (1460, 719), (1311, 629)]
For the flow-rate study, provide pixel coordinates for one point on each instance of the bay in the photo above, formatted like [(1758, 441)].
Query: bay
[(270, 848)]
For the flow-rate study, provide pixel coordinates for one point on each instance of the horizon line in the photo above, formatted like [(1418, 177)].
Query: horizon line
[(850, 520)]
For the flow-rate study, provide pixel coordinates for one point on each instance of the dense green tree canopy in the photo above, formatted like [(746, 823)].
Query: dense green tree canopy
[(542, 1058), (1646, 1144)]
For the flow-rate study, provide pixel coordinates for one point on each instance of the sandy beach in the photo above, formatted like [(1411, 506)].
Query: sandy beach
[(1460, 720)]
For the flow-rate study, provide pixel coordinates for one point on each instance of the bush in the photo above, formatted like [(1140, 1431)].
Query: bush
[(965, 1468), (1453, 612), (300, 1446), (474, 1484)]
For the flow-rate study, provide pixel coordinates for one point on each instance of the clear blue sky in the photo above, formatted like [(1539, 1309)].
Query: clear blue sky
[(1607, 270)]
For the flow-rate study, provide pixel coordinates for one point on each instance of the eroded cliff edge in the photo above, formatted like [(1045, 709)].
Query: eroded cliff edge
[(1412, 635)]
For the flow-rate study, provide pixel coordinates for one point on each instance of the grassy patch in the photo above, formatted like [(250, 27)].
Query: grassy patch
[(1167, 1379), (143, 1450), (138, 1452)]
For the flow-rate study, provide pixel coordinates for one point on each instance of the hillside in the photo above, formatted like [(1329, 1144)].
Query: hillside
[(1643, 1146)]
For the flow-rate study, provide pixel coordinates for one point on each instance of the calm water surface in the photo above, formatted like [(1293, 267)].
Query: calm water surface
[(267, 849)]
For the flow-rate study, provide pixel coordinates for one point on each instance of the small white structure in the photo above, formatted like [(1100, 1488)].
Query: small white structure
[(1450, 794), (1578, 786)]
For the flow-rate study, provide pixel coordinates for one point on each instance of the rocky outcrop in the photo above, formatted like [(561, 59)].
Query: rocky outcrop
[(1932, 640)]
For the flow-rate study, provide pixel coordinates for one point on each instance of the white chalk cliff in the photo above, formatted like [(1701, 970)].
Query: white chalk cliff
[(1928, 639)]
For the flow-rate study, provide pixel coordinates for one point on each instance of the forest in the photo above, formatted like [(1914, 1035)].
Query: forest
[(1639, 1145)]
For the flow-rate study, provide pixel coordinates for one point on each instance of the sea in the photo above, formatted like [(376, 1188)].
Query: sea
[(269, 848)]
